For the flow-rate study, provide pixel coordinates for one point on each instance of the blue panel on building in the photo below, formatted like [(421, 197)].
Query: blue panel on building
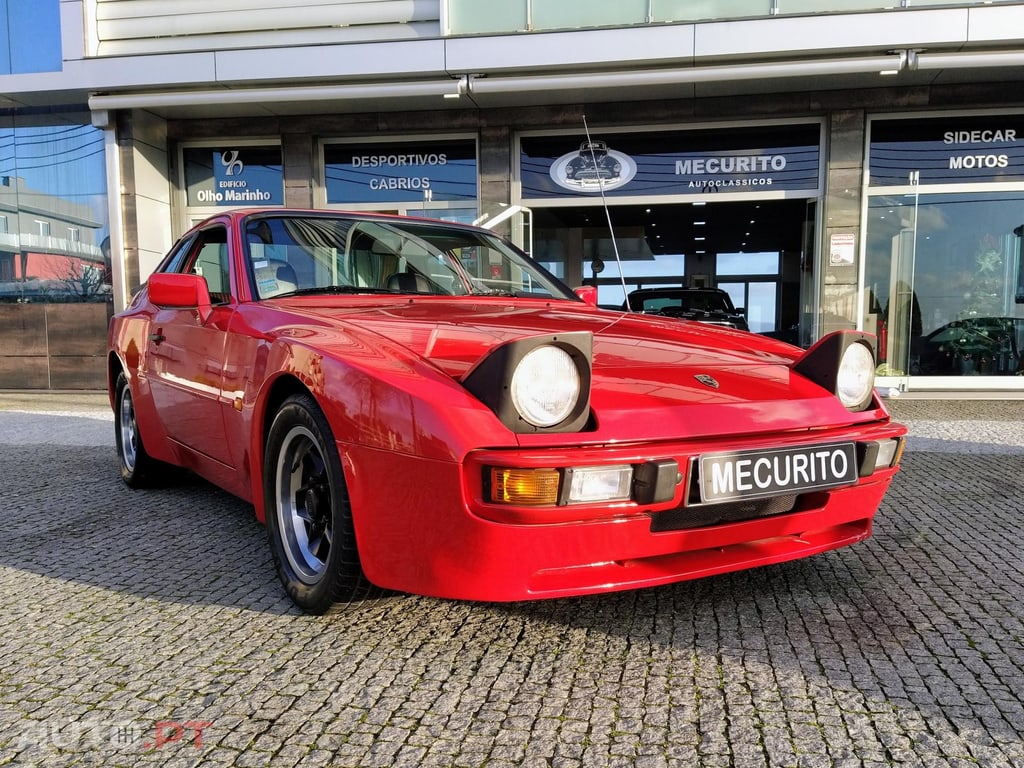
[(408, 172), (671, 163), (31, 29), (949, 150)]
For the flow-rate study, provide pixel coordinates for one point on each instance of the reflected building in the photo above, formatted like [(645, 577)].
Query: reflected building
[(48, 247)]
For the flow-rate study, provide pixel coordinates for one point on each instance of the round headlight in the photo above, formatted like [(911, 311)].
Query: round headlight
[(545, 386), (856, 376)]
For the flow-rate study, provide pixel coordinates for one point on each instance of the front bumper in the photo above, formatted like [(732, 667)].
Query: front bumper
[(424, 527)]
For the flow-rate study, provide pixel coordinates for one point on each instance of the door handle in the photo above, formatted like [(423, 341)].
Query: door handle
[(157, 337)]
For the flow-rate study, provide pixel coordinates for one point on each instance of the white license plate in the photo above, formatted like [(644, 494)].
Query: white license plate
[(775, 471)]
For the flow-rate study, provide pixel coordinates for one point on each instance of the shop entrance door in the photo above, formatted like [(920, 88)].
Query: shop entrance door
[(759, 251)]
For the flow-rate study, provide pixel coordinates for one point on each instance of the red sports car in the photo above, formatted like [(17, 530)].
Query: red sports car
[(417, 405)]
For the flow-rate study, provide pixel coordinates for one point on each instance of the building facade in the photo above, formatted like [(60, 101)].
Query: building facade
[(844, 164)]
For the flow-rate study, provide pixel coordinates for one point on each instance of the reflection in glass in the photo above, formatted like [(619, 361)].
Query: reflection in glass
[(54, 236), (940, 285), (747, 263)]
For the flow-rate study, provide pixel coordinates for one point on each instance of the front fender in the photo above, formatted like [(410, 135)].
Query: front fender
[(405, 406)]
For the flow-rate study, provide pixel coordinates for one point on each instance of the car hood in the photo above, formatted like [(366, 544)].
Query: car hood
[(645, 369)]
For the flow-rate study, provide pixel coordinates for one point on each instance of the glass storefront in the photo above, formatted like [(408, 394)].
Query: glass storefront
[(54, 235), (943, 284), (723, 207), (55, 261)]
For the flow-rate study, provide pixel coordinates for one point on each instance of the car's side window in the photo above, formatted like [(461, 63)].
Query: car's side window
[(179, 256), (210, 260)]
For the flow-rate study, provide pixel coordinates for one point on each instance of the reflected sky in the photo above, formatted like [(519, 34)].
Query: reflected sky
[(29, 36)]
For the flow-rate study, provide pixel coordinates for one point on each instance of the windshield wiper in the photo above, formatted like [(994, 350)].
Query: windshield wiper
[(336, 289), (494, 292)]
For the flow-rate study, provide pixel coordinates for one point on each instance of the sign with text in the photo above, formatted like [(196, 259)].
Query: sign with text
[(947, 150), (672, 163), (406, 172), (233, 176), (842, 249)]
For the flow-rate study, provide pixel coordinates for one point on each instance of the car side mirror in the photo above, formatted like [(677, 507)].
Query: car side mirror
[(588, 293), (740, 310), (177, 290)]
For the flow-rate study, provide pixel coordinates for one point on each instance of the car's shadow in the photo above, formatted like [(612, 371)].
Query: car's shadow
[(67, 515)]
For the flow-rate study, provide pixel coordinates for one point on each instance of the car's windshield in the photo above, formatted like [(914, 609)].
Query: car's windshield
[(689, 300), (345, 254)]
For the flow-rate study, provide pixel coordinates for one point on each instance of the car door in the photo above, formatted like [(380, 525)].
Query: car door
[(186, 352)]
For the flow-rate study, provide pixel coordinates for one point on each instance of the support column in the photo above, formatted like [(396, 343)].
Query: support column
[(495, 170), (297, 157), (144, 195), (844, 179)]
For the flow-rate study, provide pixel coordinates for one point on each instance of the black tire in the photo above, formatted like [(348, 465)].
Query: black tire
[(138, 468), (308, 516)]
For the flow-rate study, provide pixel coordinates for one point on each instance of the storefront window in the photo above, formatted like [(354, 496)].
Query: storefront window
[(55, 267), (942, 262), (942, 277), (54, 238), (705, 207)]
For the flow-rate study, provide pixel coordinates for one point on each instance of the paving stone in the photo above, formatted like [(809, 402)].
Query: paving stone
[(133, 621)]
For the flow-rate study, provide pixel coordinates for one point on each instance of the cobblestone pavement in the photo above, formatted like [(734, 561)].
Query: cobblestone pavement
[(148, 628)]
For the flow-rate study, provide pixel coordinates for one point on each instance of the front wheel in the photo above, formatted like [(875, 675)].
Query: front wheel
[(138, 468), (309, 520)]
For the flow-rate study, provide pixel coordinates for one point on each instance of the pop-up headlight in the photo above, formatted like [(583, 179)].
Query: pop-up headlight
[(843, 363), (537, 384)]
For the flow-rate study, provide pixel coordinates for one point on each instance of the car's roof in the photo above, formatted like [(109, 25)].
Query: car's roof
[(239, 214)]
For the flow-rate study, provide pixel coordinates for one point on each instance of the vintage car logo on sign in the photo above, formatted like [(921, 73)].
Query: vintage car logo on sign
[(593, 168)]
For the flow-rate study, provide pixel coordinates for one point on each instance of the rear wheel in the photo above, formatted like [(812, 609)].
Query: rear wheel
[(138, 468), (309, 520)]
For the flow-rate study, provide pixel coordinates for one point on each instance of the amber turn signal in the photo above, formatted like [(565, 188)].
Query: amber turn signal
[(527, 487)]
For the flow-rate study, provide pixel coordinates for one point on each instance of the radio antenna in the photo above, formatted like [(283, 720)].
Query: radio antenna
[(607, 214)]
